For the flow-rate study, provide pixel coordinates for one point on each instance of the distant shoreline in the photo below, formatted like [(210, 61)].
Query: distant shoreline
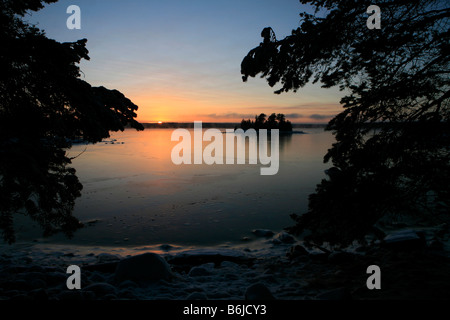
[(232, 125)]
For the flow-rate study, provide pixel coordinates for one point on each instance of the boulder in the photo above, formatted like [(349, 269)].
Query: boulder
[(199, 272), (128, 284), (297, 251), (185, 260), (147, 267), (405, 240), (284, 237), (263, 232), (258, 291)]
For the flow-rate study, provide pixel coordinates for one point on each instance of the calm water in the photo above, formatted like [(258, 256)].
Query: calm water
[(139, 197)]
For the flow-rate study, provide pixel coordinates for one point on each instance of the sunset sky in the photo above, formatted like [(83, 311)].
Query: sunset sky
[(180, 60)]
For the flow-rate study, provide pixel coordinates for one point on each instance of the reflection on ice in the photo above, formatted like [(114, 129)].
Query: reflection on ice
[(139, 197)]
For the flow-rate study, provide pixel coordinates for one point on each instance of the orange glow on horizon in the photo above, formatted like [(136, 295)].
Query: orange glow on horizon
[(161, 108)]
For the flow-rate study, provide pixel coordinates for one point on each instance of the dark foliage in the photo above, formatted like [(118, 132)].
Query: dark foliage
[(44, 105), (274, 121), (391, 154)]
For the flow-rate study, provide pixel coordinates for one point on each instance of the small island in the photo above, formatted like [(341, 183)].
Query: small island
[(274, 121)]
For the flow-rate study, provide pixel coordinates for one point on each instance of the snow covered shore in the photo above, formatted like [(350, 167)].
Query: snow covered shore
[(275, 267), (38, 271)]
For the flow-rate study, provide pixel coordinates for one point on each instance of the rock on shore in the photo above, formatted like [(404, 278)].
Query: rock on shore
[(274, 268), (145, 267)]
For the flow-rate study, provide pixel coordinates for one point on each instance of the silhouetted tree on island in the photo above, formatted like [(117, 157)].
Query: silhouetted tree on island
[(44, 105), (274, 121), (391, 155)]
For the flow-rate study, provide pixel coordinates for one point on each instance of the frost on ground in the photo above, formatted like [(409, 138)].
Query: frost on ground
[(277, 267), (39, 272)]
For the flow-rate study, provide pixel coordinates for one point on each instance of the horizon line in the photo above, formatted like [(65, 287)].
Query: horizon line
[(229, 122)]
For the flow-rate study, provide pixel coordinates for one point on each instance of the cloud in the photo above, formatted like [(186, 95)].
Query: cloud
[(294, 116), (304, 106), (231, 115), (316, 116)]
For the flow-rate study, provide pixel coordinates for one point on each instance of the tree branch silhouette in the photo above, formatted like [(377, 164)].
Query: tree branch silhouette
[(391, 155), (44, 105)]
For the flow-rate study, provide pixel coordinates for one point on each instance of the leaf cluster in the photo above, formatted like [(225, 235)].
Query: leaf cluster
[(391, 154)]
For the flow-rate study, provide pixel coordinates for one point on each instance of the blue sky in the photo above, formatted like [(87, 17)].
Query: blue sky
[(180, 60)]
